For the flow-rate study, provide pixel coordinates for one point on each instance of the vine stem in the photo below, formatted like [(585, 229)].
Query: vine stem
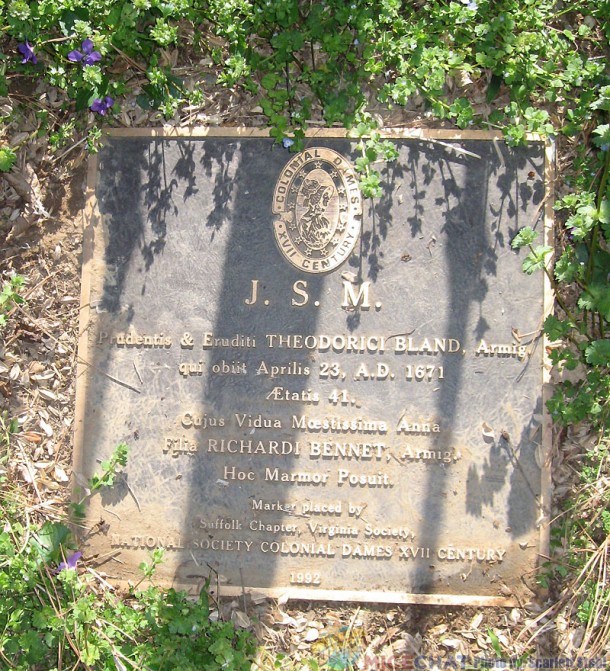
[(600, 197), (594, 246)]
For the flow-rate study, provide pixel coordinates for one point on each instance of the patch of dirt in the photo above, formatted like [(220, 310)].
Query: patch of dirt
[(38, 348)]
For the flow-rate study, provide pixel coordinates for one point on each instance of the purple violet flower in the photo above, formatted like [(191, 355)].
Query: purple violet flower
[(102, 106), (70, 563), (27, 52), (87, 56), (287, 142)]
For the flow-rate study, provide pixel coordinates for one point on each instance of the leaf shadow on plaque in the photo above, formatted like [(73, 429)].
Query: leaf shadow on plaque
[(139, 202), (477, 209), (258, 295), (513, 461), (377, 219), (121, 208), (458, 188), (197, 280), (113, 495), (218, 164), (525, 504)]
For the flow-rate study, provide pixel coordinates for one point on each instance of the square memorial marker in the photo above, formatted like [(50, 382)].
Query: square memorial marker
[(322, 395)]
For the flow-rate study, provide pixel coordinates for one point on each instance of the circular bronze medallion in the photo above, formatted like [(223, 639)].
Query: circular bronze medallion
[(319, 208)]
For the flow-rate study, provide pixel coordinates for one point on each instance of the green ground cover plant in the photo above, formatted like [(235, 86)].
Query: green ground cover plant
[(519, 67), (533, 66), (54, 617), (10, 296)]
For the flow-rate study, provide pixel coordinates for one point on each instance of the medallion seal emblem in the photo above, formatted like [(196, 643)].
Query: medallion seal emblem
[(319, 210)]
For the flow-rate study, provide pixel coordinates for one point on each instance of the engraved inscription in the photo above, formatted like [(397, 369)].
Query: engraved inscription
[(308, 413)]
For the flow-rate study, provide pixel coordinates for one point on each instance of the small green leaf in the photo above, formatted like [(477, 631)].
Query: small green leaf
[(586, 301), (40, 618), (7, 159), (524, 237), (568, 267), (596, 298), (603, 133), (543, 581), (603, 102), (370, 185), (495, 642), (598, 353), (50, 540), (604, 212), (269, 81), (536, 259), (556, 329), (110, 468)]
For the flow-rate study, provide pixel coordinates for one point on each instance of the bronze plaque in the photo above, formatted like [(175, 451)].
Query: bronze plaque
[(323, 396)]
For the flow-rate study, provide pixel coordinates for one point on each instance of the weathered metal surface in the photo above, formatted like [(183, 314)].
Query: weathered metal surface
[(364, 428)]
